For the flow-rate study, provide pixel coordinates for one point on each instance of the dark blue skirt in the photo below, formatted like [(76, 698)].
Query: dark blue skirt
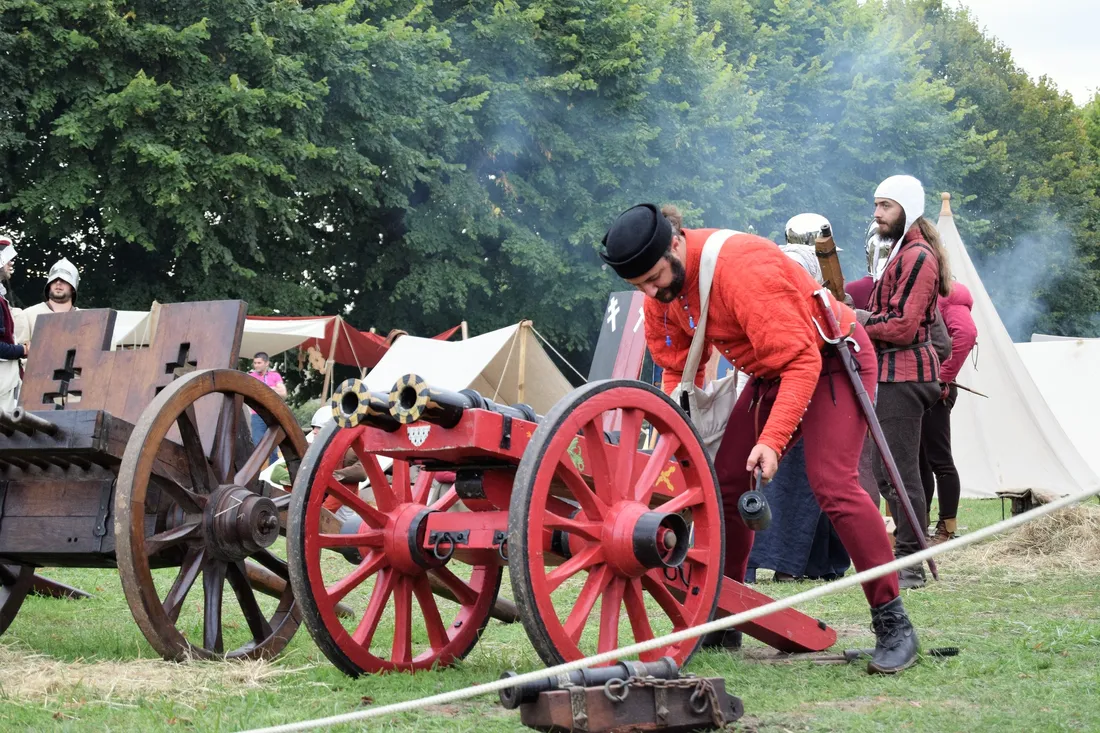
[(801, 540)]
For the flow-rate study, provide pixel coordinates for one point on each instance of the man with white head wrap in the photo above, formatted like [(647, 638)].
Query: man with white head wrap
[(58, 296), (899, 319)]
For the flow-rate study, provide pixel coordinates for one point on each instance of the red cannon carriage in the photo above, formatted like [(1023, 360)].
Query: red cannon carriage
[(606, 513)]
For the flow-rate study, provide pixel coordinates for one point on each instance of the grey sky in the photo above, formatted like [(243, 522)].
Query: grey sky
[(1052, 37)]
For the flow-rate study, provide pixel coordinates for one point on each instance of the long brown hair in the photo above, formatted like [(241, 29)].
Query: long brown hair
[(932, 236)]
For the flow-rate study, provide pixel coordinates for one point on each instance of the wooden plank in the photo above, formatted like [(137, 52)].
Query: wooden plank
[(52, 498), (53, 535)]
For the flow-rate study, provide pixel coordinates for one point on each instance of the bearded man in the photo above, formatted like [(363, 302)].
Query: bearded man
[(59, 296), (761, 317), (900, 318)]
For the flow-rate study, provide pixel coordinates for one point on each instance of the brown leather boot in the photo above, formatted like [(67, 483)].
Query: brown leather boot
[(945, 530)]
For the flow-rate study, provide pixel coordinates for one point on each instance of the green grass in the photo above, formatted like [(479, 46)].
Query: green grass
[(1030, 661)]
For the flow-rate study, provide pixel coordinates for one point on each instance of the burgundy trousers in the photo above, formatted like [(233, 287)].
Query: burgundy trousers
[(833, 430)]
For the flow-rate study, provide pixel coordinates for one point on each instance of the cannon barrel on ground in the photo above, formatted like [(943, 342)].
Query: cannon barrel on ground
[(353, 405), (663, 669), (412, 399)]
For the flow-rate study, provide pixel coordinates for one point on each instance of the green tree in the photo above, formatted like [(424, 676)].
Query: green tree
[(192, 150), (591, 107)]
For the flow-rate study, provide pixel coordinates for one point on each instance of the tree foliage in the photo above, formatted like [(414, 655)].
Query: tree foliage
[(415, 165)]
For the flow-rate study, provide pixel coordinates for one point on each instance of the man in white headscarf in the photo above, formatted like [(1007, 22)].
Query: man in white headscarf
[(58, 296), (899, 318)]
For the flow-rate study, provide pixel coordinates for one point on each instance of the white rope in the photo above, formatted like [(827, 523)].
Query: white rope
[(507, 361), (717, 625), (583, 378)]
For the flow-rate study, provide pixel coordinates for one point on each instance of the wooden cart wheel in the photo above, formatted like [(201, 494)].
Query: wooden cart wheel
[(413, 611), (15, 583), (584, 508), (219, 522)]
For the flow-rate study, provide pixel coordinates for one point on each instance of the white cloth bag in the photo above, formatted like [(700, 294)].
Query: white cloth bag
[(708, 407)]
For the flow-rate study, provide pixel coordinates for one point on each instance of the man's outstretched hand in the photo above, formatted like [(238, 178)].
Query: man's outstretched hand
[(765, 459)]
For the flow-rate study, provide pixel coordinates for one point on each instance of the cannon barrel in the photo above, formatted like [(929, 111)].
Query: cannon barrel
[(42, 425), (414, 399), (663, 669), (9, 424), (353, 405)]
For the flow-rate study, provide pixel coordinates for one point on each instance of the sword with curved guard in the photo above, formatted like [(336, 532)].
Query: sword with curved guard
[(840, 340)]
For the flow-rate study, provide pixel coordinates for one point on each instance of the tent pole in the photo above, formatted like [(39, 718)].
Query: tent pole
[(465, 331), (524, 327), (331, 356)]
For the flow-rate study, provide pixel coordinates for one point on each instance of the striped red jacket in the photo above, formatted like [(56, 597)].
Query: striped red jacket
[(903, 305)]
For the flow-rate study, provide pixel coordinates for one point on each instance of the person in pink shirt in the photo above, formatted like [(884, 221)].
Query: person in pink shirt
[(261, 369), (937, 463)]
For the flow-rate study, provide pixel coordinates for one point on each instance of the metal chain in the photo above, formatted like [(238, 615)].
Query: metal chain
[(704, 696)]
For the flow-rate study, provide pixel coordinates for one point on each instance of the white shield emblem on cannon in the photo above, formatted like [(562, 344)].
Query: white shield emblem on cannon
[(418, 434)]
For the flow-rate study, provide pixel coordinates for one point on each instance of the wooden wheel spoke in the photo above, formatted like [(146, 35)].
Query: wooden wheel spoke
[(203, 480), (586, 601), (281, 502), (596, 461), (423, 488), (272, 563), (379, 484), (444, 503), (611, 602), (255, 463), (634, 600), (587, 530), (250, 607), (373, 538), (171, 537), (401, 652), (591, 504), (591, 555), (655, 586), (225, 438), (658, 468), (400, 481), (429, 609), (373, 563), (352, 500), (692, 497), (463, 593), (630, 429), (213, 582), (379, 597), (189, 571)]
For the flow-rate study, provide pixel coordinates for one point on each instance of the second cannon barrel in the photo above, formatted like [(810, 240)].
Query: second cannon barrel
[(412, 399)]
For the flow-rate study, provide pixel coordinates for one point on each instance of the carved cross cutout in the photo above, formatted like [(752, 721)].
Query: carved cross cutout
[(65, 377), (183, 363)]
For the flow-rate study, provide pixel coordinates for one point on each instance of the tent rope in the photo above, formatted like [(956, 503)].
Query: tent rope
[(564, 360), (739, 619), (507, 361)]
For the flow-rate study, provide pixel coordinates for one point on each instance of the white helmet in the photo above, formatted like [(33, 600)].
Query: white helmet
[(322, 417), (65, 271), (805, 228)]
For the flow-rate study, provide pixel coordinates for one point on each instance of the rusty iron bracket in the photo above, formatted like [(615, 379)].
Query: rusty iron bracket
[(105, 496), (506, 433)]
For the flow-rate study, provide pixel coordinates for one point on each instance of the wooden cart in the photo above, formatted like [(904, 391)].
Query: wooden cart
[(143, 460)]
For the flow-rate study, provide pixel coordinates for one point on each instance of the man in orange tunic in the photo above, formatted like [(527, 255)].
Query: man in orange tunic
[(762, 318)]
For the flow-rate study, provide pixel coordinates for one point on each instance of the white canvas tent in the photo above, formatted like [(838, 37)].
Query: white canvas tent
[(1011, 441), (507, 366), (1066, 370), (274, 336)]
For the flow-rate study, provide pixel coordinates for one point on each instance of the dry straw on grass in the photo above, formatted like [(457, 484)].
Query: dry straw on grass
[(28, 677), (1065, 540)]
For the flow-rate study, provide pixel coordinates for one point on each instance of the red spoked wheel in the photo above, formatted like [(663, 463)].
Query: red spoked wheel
[(410, 610), (594, 522)]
